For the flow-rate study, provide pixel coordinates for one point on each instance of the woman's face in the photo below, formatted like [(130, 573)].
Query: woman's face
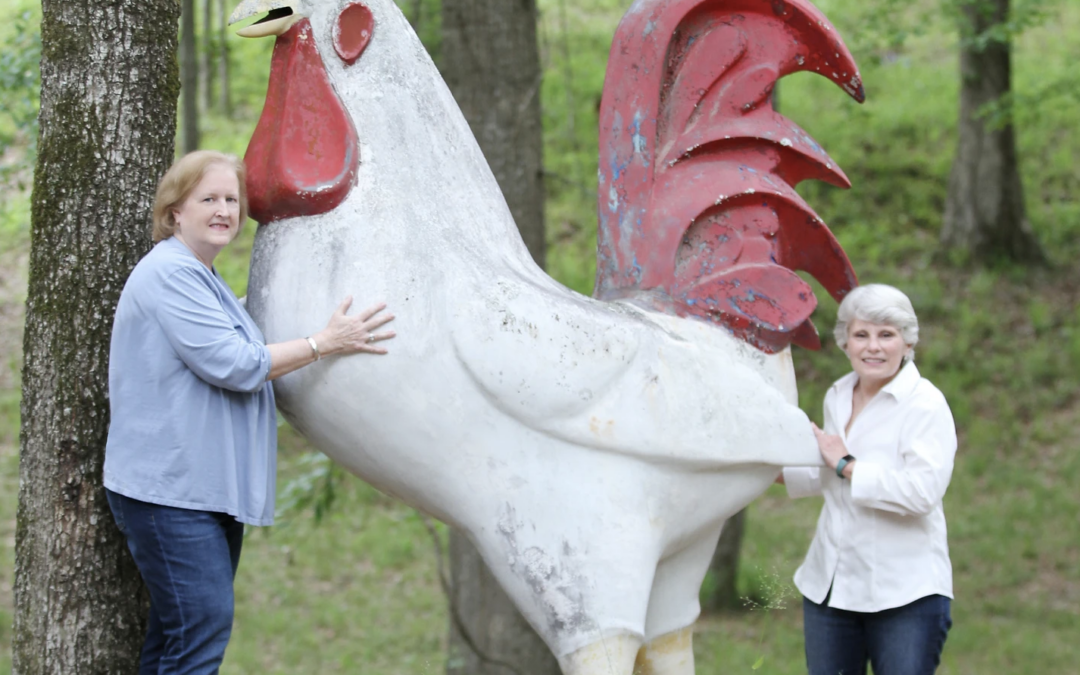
[(210, 216), (875, 350)]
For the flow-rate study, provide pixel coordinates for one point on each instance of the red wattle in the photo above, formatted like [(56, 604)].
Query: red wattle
[(302, 159)]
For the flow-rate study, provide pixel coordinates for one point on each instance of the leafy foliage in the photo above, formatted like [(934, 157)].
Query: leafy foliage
[(314, 487), (20, 84)]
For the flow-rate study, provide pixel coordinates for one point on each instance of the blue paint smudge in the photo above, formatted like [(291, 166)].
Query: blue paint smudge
[(640, 143)]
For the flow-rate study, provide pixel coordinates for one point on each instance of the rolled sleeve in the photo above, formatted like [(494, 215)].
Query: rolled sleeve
[(928, 450), (205, 338), (802, 482)]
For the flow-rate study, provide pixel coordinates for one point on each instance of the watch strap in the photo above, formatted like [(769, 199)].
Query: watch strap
[(844, 461)]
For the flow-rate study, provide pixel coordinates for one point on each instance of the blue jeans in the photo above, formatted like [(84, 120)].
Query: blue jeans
[(903, 641), (188, 560)]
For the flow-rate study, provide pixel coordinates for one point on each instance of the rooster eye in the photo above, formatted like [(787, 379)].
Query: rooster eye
[(352, 31)]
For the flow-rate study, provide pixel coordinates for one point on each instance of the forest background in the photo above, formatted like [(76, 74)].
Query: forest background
[(357, 589)]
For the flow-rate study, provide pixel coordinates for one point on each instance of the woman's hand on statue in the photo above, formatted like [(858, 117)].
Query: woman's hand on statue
[(346, 334), (831, 447)]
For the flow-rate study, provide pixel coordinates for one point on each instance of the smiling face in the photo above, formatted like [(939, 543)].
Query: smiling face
[(876, 351), (210, 216)]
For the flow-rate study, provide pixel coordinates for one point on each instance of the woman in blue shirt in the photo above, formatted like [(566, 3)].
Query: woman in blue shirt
[(191, 453)]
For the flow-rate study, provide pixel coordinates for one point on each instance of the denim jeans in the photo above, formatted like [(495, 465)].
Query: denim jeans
[(903, 641), (188, 560)]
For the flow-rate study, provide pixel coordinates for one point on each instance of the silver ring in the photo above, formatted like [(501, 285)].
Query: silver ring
[(370, 339)]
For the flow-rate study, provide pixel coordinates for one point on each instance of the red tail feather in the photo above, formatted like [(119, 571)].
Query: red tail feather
[(697, 206)]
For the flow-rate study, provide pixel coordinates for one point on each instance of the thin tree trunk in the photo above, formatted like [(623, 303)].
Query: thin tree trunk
[(491, 61), (189, 77), (108, 112), (725, 566), (223, 60), (984, 210), (725, 561), (416, 15), (206, 58)]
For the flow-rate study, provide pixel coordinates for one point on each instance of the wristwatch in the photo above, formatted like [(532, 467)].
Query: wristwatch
[(844, 461)]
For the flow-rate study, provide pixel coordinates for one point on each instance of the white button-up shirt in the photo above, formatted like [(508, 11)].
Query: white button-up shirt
[(881, 539)]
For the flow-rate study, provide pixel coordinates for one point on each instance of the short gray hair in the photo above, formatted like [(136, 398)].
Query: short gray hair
[(880, 304)]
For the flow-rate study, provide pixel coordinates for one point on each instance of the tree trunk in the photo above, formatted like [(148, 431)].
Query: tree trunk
[(984, 209), (491, 61), (724, 592), (725, 566), (206, 58), (223, 60), (108, 111), (416, 15), (189, 77)]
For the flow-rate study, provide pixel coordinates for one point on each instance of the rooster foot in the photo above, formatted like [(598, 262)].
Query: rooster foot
[(624, 654), (613, 655), (671, 654)]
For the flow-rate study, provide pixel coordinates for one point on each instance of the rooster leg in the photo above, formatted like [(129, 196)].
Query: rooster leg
[(611, 656), (670, 654)]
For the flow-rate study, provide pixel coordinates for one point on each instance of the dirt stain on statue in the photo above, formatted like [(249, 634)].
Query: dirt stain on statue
[(556, 582)]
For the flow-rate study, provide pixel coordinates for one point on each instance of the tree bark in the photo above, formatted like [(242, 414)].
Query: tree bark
[(108, 115), (416, 15), (491, 61), (189, 77), (984, 209), (725, 566), (223, 60)]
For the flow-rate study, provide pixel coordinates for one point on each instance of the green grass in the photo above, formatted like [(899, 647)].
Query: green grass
[(362, 581), (359, 592)]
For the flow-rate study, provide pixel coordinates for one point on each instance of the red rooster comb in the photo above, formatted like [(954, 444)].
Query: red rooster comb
[(698, 213)]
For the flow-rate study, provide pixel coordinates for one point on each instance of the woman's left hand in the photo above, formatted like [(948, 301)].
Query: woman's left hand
[(832, 448)]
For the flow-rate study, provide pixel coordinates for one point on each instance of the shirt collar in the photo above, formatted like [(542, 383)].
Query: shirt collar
[(905, 381), (899, 387), (175, 243), (847, 383)]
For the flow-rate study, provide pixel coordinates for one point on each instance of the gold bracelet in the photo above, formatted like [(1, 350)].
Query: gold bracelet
[(314, 347)]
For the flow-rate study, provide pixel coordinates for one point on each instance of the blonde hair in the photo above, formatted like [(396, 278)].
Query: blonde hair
[(182, 177)]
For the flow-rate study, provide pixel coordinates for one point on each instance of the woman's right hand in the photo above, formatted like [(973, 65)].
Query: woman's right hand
[(346, 334)]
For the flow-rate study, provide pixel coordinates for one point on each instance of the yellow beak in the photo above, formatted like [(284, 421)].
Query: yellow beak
[(282, 15)]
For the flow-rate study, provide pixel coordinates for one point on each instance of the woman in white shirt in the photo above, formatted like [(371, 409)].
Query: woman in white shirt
[(877, 581)]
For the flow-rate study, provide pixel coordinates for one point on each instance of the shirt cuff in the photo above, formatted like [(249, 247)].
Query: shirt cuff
[(267, 361), (865, 477), (802, 482)]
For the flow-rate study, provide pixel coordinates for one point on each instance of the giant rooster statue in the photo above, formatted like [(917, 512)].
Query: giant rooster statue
[(591, 448)]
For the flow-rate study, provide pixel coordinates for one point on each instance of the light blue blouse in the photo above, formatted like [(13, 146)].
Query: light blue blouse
[(193, 421)]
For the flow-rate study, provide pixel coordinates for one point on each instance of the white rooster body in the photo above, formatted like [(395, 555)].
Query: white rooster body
[(591, 450)]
